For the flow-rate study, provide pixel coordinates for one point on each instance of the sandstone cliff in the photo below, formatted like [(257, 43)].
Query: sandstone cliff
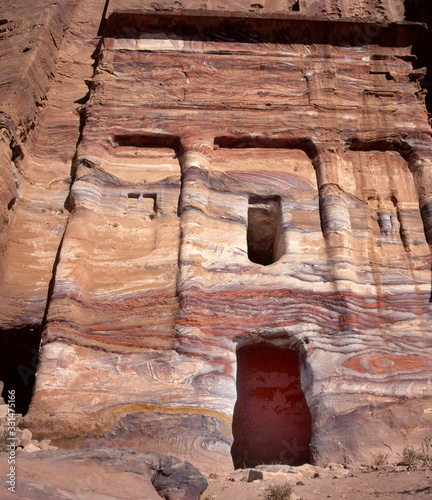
[(217, 220)]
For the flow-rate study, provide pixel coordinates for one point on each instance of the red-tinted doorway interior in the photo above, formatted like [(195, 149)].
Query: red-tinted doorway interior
[(272, 422)]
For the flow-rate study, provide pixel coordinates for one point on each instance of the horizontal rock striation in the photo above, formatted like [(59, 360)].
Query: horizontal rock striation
[(241, 182)]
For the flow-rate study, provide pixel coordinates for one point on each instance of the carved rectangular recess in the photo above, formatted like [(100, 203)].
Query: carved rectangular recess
[(264, 229), (144, 158), (258, 141), (275, 173), (144, 202), (147, 141)]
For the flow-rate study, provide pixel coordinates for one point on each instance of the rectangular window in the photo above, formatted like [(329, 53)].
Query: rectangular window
[(263, 231)]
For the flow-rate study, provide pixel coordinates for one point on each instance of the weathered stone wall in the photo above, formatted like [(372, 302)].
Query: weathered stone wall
[(242, 174), (43, 75), (383, 10), (46, 54)]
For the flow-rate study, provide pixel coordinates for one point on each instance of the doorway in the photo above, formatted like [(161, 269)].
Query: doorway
[(272, 422), (19, 349)]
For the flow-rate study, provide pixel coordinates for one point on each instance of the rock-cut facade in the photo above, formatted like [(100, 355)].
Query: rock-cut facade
[(216, 220)]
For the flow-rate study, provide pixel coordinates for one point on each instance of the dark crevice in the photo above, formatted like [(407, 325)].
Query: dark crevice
[(103, 19), (11, 204), (82, 110), (17, 152), (425, 489), (83, 100), (421, 11), (52, 280)]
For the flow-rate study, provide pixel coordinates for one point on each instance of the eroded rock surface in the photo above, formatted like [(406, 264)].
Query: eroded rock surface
[(201, 182), (107, 473)]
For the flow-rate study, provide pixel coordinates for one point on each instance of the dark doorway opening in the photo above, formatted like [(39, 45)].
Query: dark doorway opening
[(263, 231), (272, 422), (19, 349)]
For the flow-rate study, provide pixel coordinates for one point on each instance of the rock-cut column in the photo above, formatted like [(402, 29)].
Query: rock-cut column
[(200, 347), (420, 163), (336, 227), (194, 161), (334, 206)]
